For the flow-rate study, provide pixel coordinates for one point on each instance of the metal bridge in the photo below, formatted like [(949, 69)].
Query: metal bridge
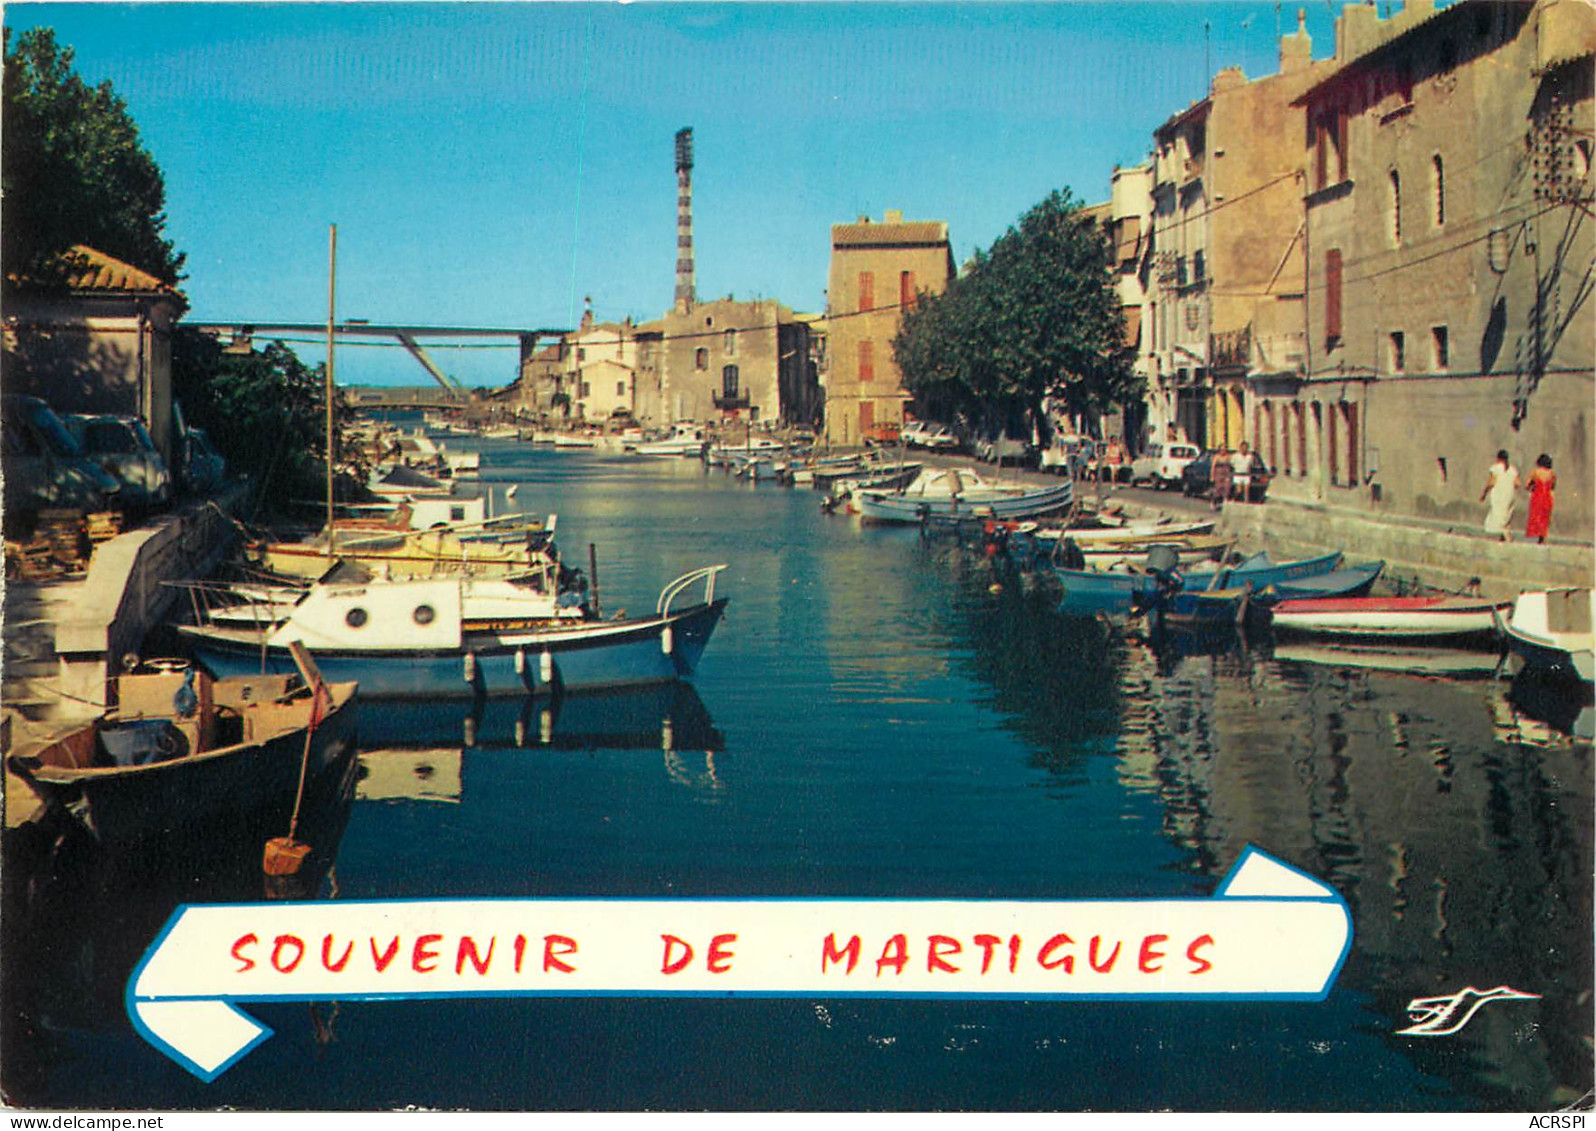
[(241, 337)]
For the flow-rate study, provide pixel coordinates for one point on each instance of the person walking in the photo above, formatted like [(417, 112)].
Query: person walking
[(1542, 482), (1241, 471), (1499, 496), (1220, 472)]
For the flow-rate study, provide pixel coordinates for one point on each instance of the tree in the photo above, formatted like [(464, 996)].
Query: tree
[(1035, 316), (72, 170), (263, 409)]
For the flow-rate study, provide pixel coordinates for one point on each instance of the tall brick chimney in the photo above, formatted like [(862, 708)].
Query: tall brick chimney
[(684, 220)]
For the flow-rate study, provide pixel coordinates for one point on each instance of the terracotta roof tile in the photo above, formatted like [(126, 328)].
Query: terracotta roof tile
[(97, 271), (917, 232)]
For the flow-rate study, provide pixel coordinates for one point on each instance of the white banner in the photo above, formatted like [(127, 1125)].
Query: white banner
[(1270, 931)]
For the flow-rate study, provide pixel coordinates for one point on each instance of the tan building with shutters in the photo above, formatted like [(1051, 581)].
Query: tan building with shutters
[(1448, 167), (877, 269)]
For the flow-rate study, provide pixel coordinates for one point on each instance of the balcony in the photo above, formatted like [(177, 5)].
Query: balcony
[(726, 402), (1231, 349)]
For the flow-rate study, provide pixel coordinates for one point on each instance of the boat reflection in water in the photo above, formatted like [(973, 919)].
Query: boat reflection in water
[(414, 749)]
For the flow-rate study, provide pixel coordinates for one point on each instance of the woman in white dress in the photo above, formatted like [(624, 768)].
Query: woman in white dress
[(1499, 496)]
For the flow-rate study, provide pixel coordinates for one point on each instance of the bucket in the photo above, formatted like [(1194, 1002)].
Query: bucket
[(284, 856)]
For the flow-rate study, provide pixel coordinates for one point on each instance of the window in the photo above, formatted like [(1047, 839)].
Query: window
[(906, 290), (1335, 443), (620, 388), (1332, 298), (1440, 190), (1438, 340), (456, 513), (731, 343), (587, 389), (424, 614), (1349, 417), (701, 359), (581, 354), (1198, 267), (356, 618), (729, 382), (1399, 358), (867, 361), (1396, 207), (867, 290)]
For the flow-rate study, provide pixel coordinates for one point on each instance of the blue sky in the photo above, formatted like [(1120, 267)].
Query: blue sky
[(495, 164)]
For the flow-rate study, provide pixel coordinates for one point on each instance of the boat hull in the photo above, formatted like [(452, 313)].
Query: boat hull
[(878, 507), (588, 657), (257, 781), (1389, 618)]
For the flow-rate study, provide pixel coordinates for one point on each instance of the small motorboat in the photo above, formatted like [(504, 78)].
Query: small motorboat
[(1412, 619), (1551, 630)]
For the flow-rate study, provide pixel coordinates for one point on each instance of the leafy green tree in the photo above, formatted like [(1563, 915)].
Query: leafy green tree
[(72, 169), (263, 409), (1034, 316)]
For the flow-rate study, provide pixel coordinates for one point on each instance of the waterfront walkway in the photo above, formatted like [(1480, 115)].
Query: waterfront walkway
[(1417, 552)]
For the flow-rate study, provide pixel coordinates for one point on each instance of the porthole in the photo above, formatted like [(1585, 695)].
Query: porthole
[(355, 618), (424, 614)]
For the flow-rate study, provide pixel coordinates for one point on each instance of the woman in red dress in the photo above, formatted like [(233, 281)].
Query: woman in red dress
[(1541, 484)]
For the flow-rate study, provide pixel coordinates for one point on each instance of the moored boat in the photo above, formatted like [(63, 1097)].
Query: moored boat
[(952, 491), (1551, 630), (469, 636), (182, 750), (1413, 619)]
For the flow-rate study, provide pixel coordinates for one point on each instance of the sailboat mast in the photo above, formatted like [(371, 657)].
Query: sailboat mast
[(332, 291)]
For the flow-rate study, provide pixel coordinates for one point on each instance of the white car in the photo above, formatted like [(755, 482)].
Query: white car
[(937, 437), (1161, 464)]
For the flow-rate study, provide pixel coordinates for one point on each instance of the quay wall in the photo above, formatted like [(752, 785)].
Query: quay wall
[(125, 596), (1415, 551)]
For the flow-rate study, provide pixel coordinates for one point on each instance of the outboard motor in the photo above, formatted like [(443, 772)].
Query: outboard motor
[(1070, 555), (1163, 563)]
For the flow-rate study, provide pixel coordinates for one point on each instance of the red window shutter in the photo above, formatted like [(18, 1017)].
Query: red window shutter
[(867, 417), (867, 361), (867, 290), (906, 290), (1332, 295)]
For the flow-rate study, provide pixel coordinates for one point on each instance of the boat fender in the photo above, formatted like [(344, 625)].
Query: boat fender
[(666, 640), (546, 666), (469, 731), (545, 724), (523, 670), (471, 668)]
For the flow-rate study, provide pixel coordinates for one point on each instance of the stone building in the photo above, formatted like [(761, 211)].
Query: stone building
[(99, 340), (728, 360), (1223, 272), (1450, 248), (600, 369), (1129, 230), (540, 388), (877, 269)]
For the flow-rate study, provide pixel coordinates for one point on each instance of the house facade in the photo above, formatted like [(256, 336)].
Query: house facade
[(600, 369), (100, 340), (1450, 248), (728, 360), (877, 270)]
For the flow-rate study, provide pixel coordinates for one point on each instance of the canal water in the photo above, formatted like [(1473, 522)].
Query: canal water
[(881, 715)]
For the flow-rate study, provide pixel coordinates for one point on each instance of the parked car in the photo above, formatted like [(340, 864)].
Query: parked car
[(886, 432), (934, 437), (122, 446), (200, 466), (997, 449), (1197, 478), (44, 466), (1161, 464)]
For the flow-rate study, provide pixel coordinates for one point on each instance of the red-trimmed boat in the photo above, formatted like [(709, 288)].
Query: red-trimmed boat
[(1410, 619)]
